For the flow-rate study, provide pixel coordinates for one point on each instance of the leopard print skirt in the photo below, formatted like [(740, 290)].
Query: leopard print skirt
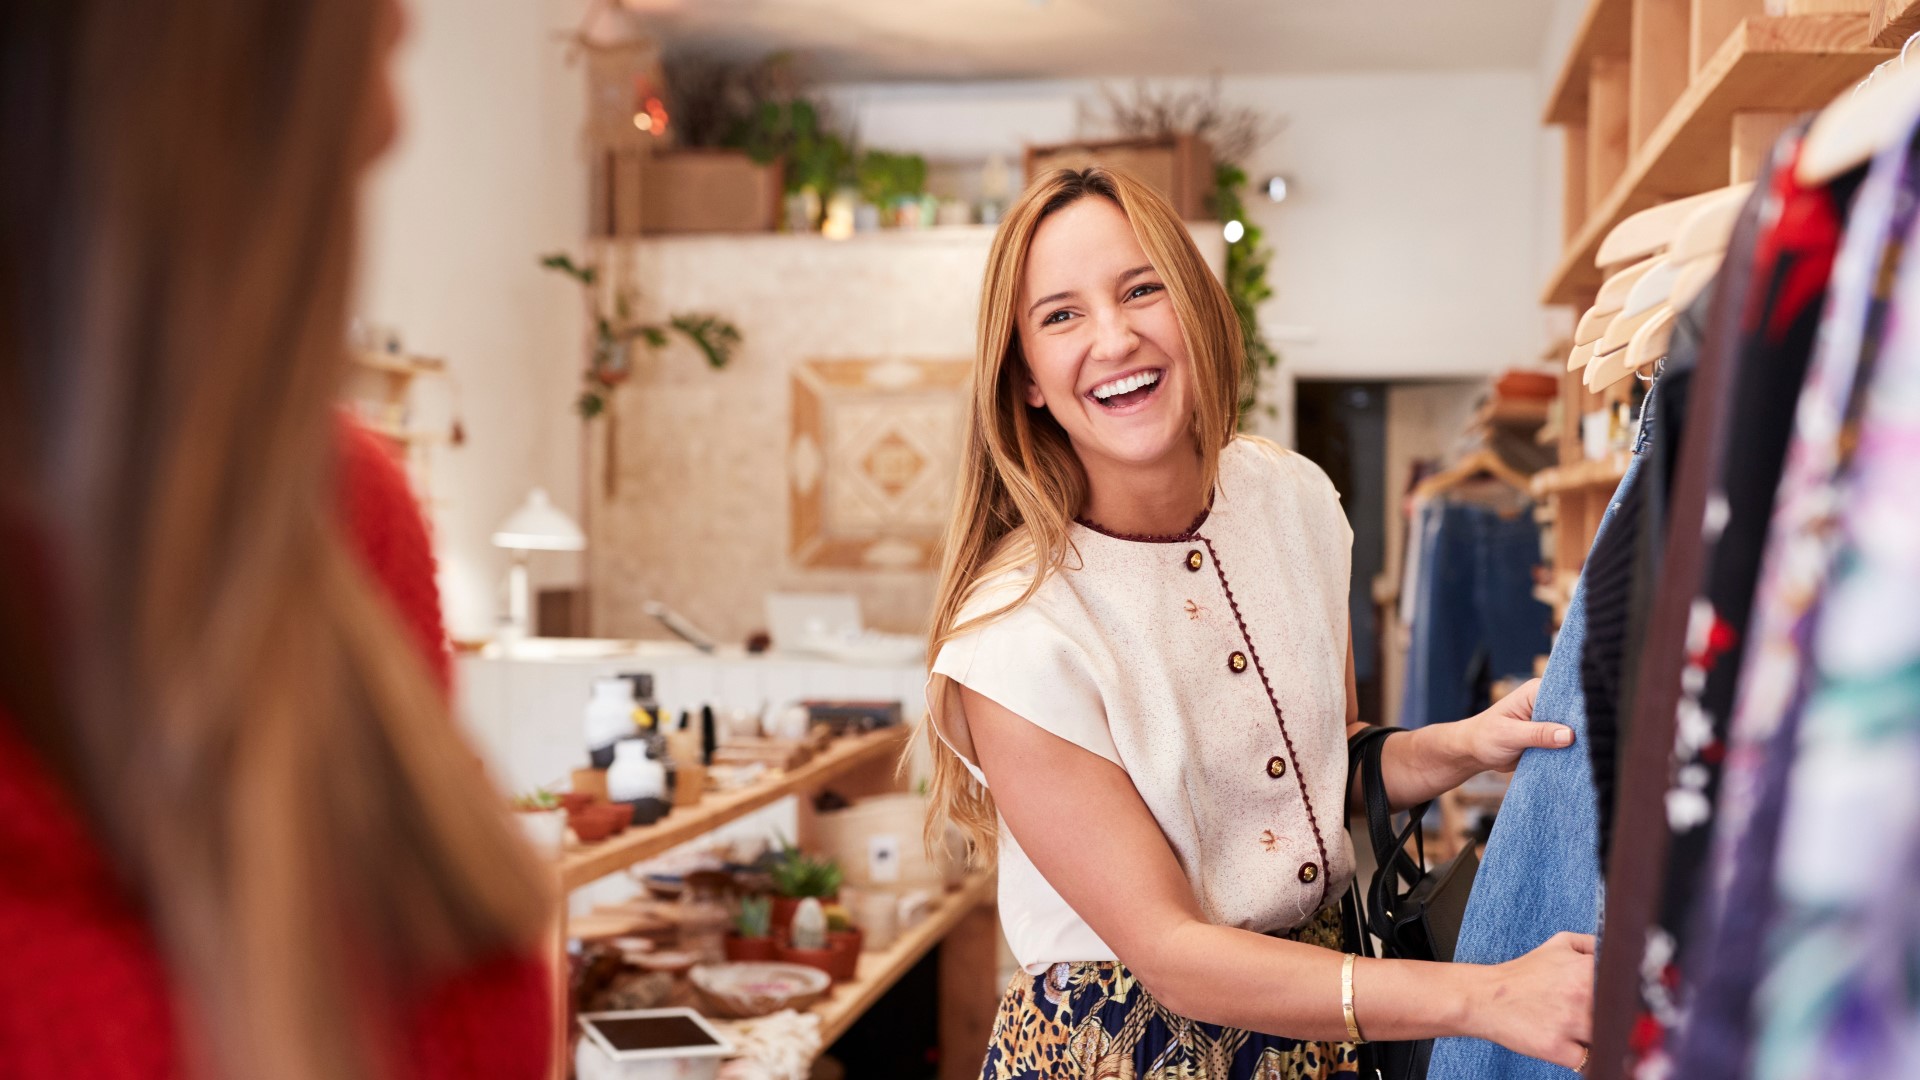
[(1094, 1021)]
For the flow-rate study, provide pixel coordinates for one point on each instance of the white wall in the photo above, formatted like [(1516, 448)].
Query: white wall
[(487, 175), (1410, 246)]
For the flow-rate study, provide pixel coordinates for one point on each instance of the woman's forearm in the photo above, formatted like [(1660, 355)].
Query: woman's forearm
[(1222, 975), (1420, 764)]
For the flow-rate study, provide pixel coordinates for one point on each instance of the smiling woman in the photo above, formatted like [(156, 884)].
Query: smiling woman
[(1141, 648)]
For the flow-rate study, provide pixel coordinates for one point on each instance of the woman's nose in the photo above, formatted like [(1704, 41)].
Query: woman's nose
[(1114, 338)]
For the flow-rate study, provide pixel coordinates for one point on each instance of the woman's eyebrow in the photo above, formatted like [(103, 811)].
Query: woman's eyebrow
[(1121, 280), (1048, 300)]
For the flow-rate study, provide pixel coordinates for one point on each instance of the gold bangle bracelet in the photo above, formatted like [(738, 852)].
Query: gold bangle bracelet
[(1346, 1000)]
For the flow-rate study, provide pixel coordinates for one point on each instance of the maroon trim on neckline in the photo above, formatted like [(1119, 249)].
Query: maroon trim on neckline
[(1177, 538)]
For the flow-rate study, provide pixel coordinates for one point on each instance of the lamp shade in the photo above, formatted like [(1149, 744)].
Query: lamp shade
[(539, 526)]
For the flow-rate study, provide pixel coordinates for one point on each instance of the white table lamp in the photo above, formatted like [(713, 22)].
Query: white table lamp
[(537, 526)]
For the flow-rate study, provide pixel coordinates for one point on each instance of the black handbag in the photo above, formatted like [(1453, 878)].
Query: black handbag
[(1415, 913)]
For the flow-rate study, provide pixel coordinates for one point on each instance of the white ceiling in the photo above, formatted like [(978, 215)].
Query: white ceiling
[(905, 40)]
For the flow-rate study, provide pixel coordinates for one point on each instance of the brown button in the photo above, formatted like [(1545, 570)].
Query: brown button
[(1194, 560), (1276, 767), (1309, 873), (1237, 663)]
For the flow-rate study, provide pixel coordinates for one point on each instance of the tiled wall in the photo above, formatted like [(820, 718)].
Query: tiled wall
[(694, 506)]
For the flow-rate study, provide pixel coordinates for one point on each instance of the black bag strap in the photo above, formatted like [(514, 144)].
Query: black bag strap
[(1394, 865)]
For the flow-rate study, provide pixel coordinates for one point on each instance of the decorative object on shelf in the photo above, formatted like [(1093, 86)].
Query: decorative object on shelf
[(809, 925), (1231, 134), (637, 781), (871, 461), (537, 526), (542, 819), (844, 940), (742, 990), (609, 718), (892, 181), (751, 937), (797, 877)]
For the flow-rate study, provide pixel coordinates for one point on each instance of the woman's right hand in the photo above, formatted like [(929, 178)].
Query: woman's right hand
[(1541, 1004)]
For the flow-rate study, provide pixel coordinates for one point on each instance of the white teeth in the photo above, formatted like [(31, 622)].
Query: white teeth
[(1122, 386)]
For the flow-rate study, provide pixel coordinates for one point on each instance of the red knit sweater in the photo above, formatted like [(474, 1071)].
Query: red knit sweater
[(83, 988)]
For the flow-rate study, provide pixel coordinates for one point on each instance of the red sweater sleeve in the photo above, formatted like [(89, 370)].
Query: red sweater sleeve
[(385, 525)]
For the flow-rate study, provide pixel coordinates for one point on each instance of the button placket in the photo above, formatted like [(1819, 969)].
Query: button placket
[(1237, 662), (1276, 767)]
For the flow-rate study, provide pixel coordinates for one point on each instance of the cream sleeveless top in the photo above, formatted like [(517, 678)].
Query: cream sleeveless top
[(1211, 666)]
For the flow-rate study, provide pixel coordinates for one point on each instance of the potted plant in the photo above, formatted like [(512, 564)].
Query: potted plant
[(807, 943), (845, 941), (542, 818), (751, 937), (798, 876)]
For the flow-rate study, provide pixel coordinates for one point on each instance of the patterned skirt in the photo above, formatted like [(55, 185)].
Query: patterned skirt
[(1094, 1021)]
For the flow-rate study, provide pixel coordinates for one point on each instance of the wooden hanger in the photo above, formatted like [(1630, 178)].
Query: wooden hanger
[(1693, 280), (1608, 302), (1481, 462), (1850, 131), (1647, 345), (1652, 289), (1651, 230), (1620, 332), (1580, 357), (1707, 230)]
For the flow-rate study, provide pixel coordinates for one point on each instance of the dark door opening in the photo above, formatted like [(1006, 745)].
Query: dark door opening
[(1342, 427)]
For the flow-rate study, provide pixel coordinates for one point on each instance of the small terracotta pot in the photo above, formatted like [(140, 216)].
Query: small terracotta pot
[(591, 827), (813, 958), (748, 950), (781, 926), (845, 946), (574, 801)]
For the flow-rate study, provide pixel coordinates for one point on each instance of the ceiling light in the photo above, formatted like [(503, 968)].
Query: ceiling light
[(1277, 188), (1234, 231)]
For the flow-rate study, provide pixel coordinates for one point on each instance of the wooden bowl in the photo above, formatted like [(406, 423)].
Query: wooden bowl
[(741, 991), (589, 826)]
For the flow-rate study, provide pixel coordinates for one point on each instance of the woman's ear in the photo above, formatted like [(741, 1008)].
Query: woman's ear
[(1034, 397)]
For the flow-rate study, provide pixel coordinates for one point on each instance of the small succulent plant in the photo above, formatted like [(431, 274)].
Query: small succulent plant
[(800, 875), (755, 918), (535, 801)]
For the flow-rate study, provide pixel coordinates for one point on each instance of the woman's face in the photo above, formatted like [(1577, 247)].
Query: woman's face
[(1104, 350)]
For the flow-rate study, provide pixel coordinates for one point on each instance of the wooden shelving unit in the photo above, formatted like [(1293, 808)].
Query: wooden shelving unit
[(1661, 99), (961, 923), (880, 969), (845, 755), (1893, 22), (1767, 70)]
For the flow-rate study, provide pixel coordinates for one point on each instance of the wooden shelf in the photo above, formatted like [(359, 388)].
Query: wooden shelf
[(399, 363), (1767, 64), (1893, 22), (880, 969), (595, 861), (1513, 412), (1604, 31), (1602, 475)]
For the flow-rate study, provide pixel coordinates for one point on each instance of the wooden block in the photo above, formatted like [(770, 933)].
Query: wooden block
[(1713, 22), (1659, 63), (1179, 167), (1753, 135), (1574, 201), (626, 180), (1607, 126), (708, 191), (1892, 22)]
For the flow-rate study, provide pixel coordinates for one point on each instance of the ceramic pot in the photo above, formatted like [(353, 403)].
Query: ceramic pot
[(781, 923), (748, 950), (845, 947), (609, 719), (546, 830), (590, 825), (821, 959)]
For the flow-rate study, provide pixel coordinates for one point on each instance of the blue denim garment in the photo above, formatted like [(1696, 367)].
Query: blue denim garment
[(1541, 873), (1475, 602)]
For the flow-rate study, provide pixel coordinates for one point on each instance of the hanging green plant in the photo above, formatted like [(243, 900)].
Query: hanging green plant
[(610, 360), (1246, 282)]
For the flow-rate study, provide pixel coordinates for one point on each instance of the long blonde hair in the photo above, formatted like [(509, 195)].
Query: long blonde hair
[(185, 635), (1021, 484)]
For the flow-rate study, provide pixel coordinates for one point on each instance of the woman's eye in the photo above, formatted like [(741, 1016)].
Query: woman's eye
[(1058, 316), (1142, 290)]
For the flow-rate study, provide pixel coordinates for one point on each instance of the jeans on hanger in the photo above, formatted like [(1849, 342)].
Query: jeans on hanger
[(1475, 614), (1541, 872)]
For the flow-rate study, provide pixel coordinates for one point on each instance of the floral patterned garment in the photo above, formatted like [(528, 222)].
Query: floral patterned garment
[(1094, 1021)]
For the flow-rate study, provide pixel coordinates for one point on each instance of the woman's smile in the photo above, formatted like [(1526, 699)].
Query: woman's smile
[(1128, 393)]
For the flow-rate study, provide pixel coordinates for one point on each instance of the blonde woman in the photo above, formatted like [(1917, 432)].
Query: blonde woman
[(1142, 683)]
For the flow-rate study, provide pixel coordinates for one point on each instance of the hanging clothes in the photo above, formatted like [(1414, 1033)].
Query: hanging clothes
[(1475, 618), (1540, 875), (1811, 1017)]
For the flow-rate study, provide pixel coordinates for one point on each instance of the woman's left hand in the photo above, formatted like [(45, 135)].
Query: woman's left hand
[(1497, 737)]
